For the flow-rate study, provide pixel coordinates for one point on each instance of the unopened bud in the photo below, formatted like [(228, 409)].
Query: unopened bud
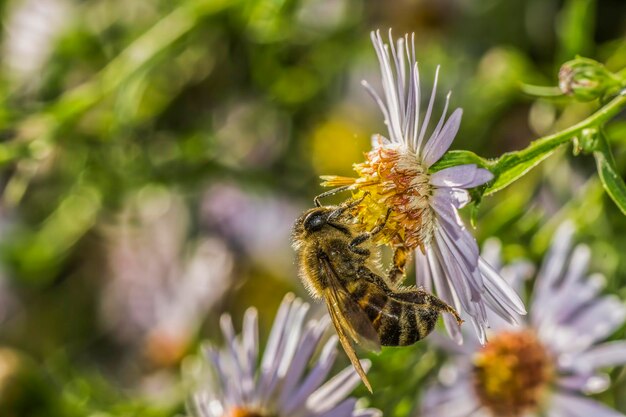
[(586, 79)]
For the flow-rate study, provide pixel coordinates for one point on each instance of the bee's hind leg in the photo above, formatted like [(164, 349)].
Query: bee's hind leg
[(397, 272), (353, 245), (445, 307), (428, 301)]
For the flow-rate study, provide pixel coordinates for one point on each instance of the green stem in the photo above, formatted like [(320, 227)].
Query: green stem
[(513, 165)]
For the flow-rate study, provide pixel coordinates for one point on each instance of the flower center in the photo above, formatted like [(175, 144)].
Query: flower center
[(394, 178), (244, 412), (511, 373)]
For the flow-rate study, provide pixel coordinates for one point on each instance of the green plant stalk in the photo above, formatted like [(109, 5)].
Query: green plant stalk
[(513, 165), (145, 49)]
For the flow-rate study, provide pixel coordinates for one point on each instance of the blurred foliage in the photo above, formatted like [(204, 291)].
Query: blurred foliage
[(235, 107)]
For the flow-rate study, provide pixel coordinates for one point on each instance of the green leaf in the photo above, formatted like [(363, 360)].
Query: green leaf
[(611, 180), (454, 158), (511, 166)]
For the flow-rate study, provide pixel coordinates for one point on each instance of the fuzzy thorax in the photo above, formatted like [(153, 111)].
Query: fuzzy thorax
[(392, 177)]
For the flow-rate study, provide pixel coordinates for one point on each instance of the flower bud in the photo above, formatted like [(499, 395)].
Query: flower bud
[(586, 79)]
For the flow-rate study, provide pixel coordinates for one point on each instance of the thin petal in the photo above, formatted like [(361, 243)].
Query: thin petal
[(463, 176), (336, 389), (601, 356), (587, 384), (497, 287), (313, 380), (436, 147), (574, 406), (429, 111)]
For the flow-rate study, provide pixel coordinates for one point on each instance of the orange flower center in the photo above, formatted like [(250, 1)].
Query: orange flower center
[(393, 177), (244, 412), (511, 373)]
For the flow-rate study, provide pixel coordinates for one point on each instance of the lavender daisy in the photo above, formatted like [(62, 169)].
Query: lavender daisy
[(546, 366), (280, 385), (396, 175)]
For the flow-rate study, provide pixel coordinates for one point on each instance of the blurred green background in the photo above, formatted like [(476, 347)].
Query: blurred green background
[(154, 155)]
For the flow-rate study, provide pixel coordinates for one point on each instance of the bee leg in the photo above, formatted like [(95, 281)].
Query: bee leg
[(353, 245), (334, 191), (445, 307), (429, 301), (397, 272), (335, 214)]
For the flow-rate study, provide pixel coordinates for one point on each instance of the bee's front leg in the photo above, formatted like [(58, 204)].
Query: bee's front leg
[(353, 245), (334, 191)]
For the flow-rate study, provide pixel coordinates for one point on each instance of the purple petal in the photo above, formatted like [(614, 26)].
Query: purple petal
[(446, 213), (570, 300), (442, 119), (308, 343), (446, 293), (336, 389), (464, 261), (587, 384), (574, 406), (601, 356), (250, 335), (498, 288), (344, 409), (458, 197), (313, 380), (597, 322), (429, 111), (457, 400), (552, 269), (367, 412), (437, 146), (463, 176), (423, 277)]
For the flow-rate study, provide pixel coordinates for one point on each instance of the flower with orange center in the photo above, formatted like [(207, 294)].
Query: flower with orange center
[(546, 366), (511, 373), (396, 178), (281, 385)]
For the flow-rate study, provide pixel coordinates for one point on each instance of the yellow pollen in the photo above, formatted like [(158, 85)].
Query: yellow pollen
[(511, 373), (393, 178)]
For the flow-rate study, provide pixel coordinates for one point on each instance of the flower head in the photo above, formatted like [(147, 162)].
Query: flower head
[(546, 365), (423, 205), (280, 386)]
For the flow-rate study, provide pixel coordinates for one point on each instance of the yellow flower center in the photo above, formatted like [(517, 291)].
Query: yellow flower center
[(244, 412), (511, 373), (393, 178)]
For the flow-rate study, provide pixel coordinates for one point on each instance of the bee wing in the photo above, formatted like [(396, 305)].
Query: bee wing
[(347, 317), (352, 318), (338, 322)]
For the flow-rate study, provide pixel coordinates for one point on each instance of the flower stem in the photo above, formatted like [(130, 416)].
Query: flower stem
[(513, 165)]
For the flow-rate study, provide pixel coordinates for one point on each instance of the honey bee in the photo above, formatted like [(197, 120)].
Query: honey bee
[(340, 266)]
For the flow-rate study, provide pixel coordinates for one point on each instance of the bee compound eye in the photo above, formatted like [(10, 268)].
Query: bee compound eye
[(314, 221)]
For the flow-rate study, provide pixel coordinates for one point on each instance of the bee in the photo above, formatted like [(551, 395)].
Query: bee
[(340, 266)]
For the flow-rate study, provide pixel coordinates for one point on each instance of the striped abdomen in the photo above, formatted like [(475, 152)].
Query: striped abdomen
[(401, 318)]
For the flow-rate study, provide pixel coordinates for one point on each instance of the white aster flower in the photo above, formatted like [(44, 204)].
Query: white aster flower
[(280, 385), (396, 175), (546, 366)]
